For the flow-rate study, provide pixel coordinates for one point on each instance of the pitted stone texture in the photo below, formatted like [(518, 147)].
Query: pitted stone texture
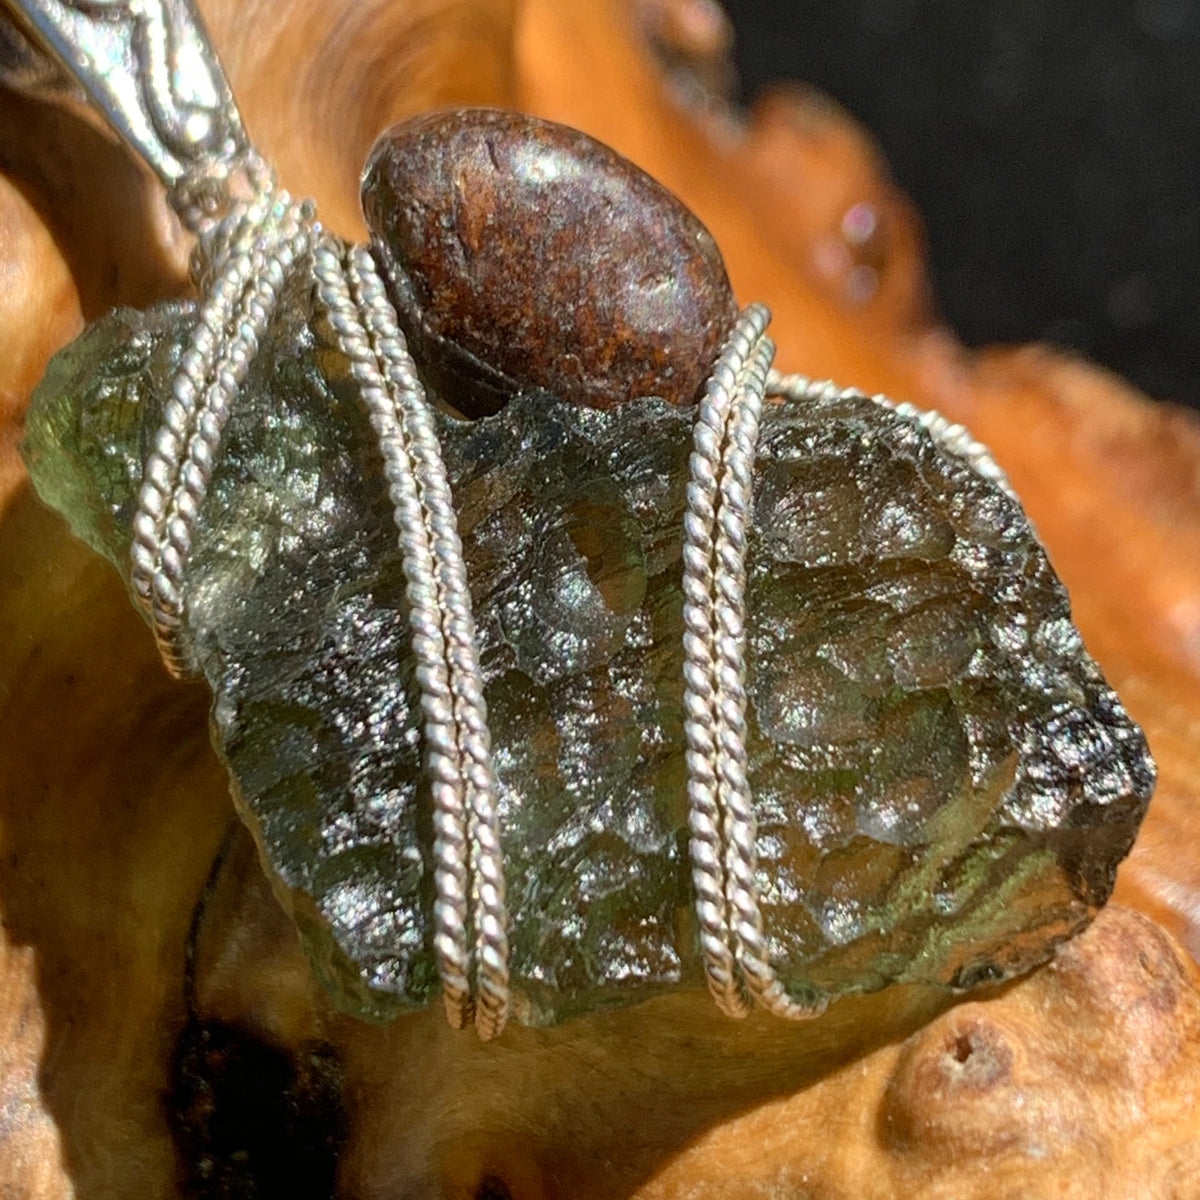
[(944, 782)]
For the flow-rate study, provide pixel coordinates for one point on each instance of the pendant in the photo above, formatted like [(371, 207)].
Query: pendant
[(563, 653)]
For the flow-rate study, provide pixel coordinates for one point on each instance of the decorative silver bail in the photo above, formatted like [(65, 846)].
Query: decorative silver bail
[(147, 66)]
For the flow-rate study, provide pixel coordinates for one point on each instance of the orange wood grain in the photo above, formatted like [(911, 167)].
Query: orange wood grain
[(111, 804)]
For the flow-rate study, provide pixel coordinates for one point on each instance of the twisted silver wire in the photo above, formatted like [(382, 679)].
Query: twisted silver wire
[(701, 701), (486, 869), (249, 272), (242, 262), (949, 435), (442, 756), (468, 869), (721, 812), (162, 467), (750, 943), (729, 581)]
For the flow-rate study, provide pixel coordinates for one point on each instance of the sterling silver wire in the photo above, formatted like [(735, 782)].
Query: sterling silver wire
[(148, 66), (468, 873), (721, 820), (242, 262), (248, 263)]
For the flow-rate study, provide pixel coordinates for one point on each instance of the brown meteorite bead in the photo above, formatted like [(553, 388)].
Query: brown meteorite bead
[(524, 254)]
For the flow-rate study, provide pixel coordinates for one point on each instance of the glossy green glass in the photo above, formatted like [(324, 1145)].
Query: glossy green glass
[(944, 782)]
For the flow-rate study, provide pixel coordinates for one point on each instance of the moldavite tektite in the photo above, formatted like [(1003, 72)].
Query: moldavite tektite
[(944, 782)]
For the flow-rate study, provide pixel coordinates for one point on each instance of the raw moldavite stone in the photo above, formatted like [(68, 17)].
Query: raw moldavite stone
[(524, 253), (944, 782)]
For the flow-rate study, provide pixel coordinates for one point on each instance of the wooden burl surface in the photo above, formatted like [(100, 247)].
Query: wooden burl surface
[(1080, 1081)]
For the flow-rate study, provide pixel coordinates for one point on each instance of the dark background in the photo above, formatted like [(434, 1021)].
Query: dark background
[(1052, 147)]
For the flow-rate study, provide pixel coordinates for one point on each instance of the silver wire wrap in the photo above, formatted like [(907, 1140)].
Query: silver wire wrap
[(247, 259), (468, 870), (241, 266), (721, 821), (952, 437), (148, 66)]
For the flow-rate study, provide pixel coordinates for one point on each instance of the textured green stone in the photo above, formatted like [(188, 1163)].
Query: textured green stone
[(944, 782)]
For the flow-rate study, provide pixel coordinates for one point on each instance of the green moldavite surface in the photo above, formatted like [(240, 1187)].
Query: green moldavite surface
[(943, 780)]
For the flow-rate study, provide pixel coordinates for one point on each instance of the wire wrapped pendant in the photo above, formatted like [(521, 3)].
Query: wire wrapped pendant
[(573, 704)]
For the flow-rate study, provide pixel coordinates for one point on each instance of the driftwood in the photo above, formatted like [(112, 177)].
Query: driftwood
[(112, 808)]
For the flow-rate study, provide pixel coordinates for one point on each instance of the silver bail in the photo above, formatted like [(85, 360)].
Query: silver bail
[(147, 66)]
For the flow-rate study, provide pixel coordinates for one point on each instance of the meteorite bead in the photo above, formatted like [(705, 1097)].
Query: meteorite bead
[(522, 254)]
